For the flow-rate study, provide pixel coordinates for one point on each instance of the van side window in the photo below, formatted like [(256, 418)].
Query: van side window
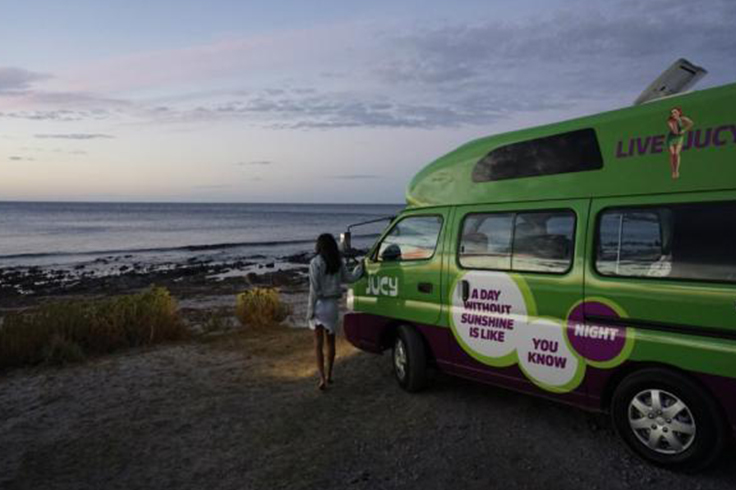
[(630, 244), (543, 242), (412, 238), (679, 241), (522, 242), (576, 151), (486, 241)]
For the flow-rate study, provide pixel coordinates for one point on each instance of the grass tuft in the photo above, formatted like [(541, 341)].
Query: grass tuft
[(70, 331), (261, 307)]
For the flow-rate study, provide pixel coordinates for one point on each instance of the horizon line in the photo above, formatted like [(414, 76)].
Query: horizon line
[(56, 201)]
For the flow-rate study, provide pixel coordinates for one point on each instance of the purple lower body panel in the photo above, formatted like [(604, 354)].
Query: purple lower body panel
[(374, 333)]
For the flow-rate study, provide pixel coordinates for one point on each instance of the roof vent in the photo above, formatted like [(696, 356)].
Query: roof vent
[(679, 77)]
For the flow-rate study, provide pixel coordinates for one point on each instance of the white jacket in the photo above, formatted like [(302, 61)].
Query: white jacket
[(328, 286)]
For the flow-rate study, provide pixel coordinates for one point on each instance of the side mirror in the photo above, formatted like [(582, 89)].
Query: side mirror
[(345, 242), (391, 253)]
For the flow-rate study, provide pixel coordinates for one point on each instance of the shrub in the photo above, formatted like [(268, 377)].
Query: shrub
[(260, 307), (71, 330), (60, 350)]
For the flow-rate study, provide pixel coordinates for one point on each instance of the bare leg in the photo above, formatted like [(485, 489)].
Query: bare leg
[(330, 355), (673, 161), (320, 357), (678, 149)]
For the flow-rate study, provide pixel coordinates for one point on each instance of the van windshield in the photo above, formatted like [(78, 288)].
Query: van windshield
[(412, 238)]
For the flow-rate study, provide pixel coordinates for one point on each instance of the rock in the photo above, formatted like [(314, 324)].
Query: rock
[(301, 258)]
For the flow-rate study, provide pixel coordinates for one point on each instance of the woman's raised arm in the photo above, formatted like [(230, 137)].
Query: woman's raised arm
[(354, 275)]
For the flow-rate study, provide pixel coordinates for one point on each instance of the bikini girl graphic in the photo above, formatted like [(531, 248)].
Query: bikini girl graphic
[(678, 125)]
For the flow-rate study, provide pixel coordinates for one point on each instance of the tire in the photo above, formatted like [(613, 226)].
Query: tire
[(409, 359), (668, 420)]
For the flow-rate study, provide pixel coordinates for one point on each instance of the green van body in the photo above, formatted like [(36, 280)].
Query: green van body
[(571, 334)]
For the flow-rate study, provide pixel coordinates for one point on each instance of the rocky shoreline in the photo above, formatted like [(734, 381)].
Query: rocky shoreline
[(22, 287)]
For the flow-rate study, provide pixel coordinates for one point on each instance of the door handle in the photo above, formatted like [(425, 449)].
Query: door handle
[(466, 290), (425, 287)]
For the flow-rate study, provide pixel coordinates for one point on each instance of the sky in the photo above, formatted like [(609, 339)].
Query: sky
[(311, 101)]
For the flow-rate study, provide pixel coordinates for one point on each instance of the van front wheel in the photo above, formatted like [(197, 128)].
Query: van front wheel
[(667, 419), (409, 359)]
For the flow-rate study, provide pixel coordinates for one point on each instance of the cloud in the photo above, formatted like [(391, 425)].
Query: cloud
[(77, 99), (75, 136), (23, 101), (586, 55), (579, 43), (14, 80), (311, 109), (62, 115)]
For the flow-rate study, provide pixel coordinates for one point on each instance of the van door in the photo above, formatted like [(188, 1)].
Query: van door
[(403, 272), (663, 266), (515, 272)]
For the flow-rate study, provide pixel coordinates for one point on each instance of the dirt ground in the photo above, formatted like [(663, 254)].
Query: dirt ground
[(241, 411)]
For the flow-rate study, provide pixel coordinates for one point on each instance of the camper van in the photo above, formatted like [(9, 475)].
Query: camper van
[(592, 262)]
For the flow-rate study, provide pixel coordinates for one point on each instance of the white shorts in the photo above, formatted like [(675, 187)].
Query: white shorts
[(327, 314)]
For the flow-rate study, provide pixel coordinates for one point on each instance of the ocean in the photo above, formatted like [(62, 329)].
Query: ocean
[(56, 234)]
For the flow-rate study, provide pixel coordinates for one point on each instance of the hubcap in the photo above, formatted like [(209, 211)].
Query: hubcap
[(661, 421), (400, 360)]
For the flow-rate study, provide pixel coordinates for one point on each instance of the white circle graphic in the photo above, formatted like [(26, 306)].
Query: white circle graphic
[(544, 355), (488, 320)]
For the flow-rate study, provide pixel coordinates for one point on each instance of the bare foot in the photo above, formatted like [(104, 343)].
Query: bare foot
[(322, 385)]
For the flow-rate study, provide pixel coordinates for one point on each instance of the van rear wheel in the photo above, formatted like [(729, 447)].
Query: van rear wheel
[(669, 420), (409, 359)]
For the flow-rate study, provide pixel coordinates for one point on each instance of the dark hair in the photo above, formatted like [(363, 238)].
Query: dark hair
[(327, 248)]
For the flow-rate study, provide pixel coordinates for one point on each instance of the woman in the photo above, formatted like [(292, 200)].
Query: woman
[(679, 125), (327, 272)]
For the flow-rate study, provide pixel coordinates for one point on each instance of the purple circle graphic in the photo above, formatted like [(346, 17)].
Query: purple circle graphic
[(595, 341)]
